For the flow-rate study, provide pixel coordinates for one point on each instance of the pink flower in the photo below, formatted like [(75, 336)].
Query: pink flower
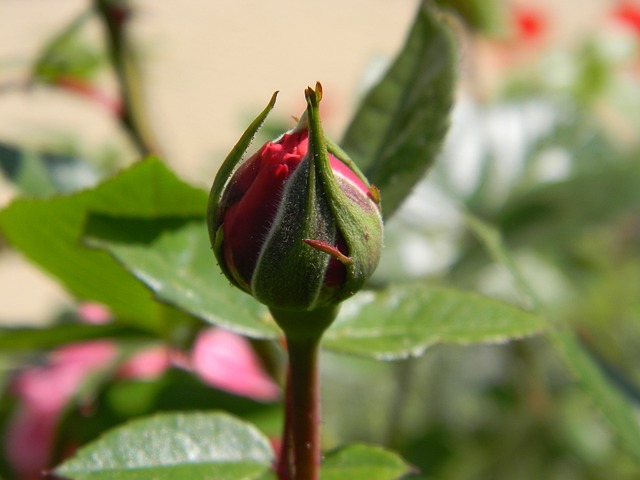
[(94, 313), (227, 361), (147, 364), (222, 359), (44, 392)]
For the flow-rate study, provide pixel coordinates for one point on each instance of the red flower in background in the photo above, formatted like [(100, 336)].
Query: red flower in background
[(530, 23), (628, 13)]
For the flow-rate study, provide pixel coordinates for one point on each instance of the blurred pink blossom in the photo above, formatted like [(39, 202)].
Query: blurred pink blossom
[(222, 359), (94, 313), (147, 364), (226, 361), (44, 392)]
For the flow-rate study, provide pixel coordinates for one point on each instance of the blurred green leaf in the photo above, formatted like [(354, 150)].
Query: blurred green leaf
[(48, 232), (405, 320), (616, 408), (42, 173), (176, 263), (396, 133), (26, 171), (68, 55), (554, 213), (614, 405), (196, 446), (363, 462), (483, 16), (19, 339)]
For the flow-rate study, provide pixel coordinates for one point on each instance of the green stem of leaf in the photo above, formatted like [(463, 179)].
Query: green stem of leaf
[(133, 116)]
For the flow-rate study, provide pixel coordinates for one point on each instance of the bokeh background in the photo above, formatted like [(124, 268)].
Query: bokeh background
[(543, 144), (208, 66)]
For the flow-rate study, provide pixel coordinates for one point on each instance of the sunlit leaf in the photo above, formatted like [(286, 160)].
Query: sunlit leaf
[(363, 462), (49, 231), (174, 259), (195, 446), (403, 321)]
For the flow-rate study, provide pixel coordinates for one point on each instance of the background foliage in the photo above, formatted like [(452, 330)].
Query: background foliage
[(507, 296)]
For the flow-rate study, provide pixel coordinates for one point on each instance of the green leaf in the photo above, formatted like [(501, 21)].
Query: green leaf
[(363, 462), (616, 408), (553, 214), (485, 16), (396, 134), (48, 232), (176, 263), (19, 339), (405, 320), (195, 446), (67, 54)]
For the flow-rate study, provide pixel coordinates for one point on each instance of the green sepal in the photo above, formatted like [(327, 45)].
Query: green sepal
[(222, 177), (361, 229)]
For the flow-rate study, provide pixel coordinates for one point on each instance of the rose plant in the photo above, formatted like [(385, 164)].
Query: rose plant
[(204, 371), (299, 228)]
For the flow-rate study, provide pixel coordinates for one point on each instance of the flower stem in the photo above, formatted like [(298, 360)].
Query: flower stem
[(303, 331), (305, 407), (284, 465)]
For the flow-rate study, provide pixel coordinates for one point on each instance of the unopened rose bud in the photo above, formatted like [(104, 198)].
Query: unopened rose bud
[(296, 225)]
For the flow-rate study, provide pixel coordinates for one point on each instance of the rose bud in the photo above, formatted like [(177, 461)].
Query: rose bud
[(296, 225)]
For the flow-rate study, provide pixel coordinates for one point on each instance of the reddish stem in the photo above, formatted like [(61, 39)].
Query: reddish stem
[(303, 331), (285, 460), (304, 408)]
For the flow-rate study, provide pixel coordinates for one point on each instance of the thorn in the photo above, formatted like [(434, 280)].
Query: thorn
[(328, 249)]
